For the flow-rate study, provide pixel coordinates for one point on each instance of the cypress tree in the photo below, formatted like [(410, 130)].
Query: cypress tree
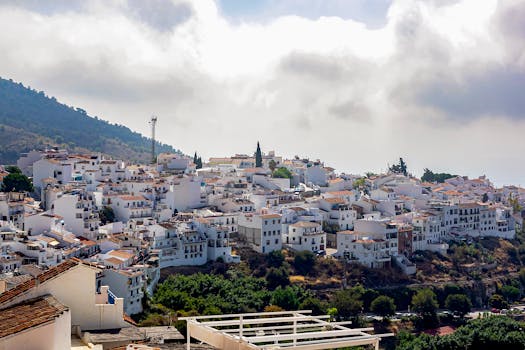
[(258, 156)]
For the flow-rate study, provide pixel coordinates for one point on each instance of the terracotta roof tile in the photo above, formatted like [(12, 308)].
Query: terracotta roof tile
[(43, 277), (271, 216), (30, 313)]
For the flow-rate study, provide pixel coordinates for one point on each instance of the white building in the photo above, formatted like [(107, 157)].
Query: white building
[(128, 207), (316, 174), (78, 211), (73, 284), (305, 235), (218, 237), (127, 284), (366, 250), (51, 168), (262, 232), (337, 212), (37, 323), (185, 193), (177, 244)]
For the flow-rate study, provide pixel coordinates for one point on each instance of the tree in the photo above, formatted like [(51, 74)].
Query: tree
[(383, 306), (424, 302), (459, 303), (359, 183), (197, 160), (304, 262), (277, 277), (400, 168), (287, 298), (275, 258), (107, 215), (258, 156), (13, 169), (497, 301), (430, 176), (403, 166), (272, 165), (515, 204), (282, 173), (481, 334), (313, 304), (16, 182), (348, 303), (510, 293)]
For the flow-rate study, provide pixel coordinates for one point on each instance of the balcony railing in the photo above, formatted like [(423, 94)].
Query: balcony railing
[(111, 297)]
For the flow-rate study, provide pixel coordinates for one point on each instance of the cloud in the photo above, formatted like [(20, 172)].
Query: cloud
[(495, 92), (160, 14), (436, 82)]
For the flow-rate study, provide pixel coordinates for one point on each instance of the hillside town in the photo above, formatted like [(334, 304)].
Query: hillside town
[(100, 230)]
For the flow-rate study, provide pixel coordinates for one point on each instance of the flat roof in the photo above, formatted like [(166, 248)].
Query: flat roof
[(277, 330)]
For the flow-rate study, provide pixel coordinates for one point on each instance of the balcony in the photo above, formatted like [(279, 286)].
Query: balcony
[(111, 297)]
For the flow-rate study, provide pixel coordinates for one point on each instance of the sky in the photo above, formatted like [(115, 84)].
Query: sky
[(355, 83)]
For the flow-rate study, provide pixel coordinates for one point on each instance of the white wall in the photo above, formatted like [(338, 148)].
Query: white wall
[(56, 335), (76, 288)]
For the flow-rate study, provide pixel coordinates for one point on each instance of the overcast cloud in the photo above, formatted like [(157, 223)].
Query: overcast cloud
[(440, 83)]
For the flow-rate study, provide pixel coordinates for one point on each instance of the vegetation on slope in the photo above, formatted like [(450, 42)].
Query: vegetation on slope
[(487, 333), (29, 119), (430, 176)]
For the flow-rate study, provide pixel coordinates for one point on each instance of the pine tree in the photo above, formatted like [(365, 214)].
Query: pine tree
[(400, 168), (195, 158), (199, 163), (258, 156), (403, 167)]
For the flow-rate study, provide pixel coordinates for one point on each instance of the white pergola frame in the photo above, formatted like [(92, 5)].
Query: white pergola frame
[(288, 330)]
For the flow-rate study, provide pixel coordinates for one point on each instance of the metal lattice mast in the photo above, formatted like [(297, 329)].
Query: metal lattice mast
[(153, 122)]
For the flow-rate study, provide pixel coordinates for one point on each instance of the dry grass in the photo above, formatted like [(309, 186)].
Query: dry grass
[(297, 279)]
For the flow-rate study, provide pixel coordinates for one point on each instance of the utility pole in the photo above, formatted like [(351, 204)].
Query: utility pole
[(153, 122)]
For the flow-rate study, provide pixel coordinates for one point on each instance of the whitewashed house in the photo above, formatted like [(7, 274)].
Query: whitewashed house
[(128, 284), (363, 249), (128, 207), (305, 235), (262, 232), (78, 211), (185, 193), (51, 168)]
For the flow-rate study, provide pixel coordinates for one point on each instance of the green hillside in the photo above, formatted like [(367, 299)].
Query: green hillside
[(31, 120)]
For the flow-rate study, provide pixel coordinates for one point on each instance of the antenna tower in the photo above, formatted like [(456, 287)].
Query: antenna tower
[(153, 122)]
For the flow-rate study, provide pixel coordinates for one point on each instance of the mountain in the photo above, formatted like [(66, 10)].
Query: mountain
[(31, 120)]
